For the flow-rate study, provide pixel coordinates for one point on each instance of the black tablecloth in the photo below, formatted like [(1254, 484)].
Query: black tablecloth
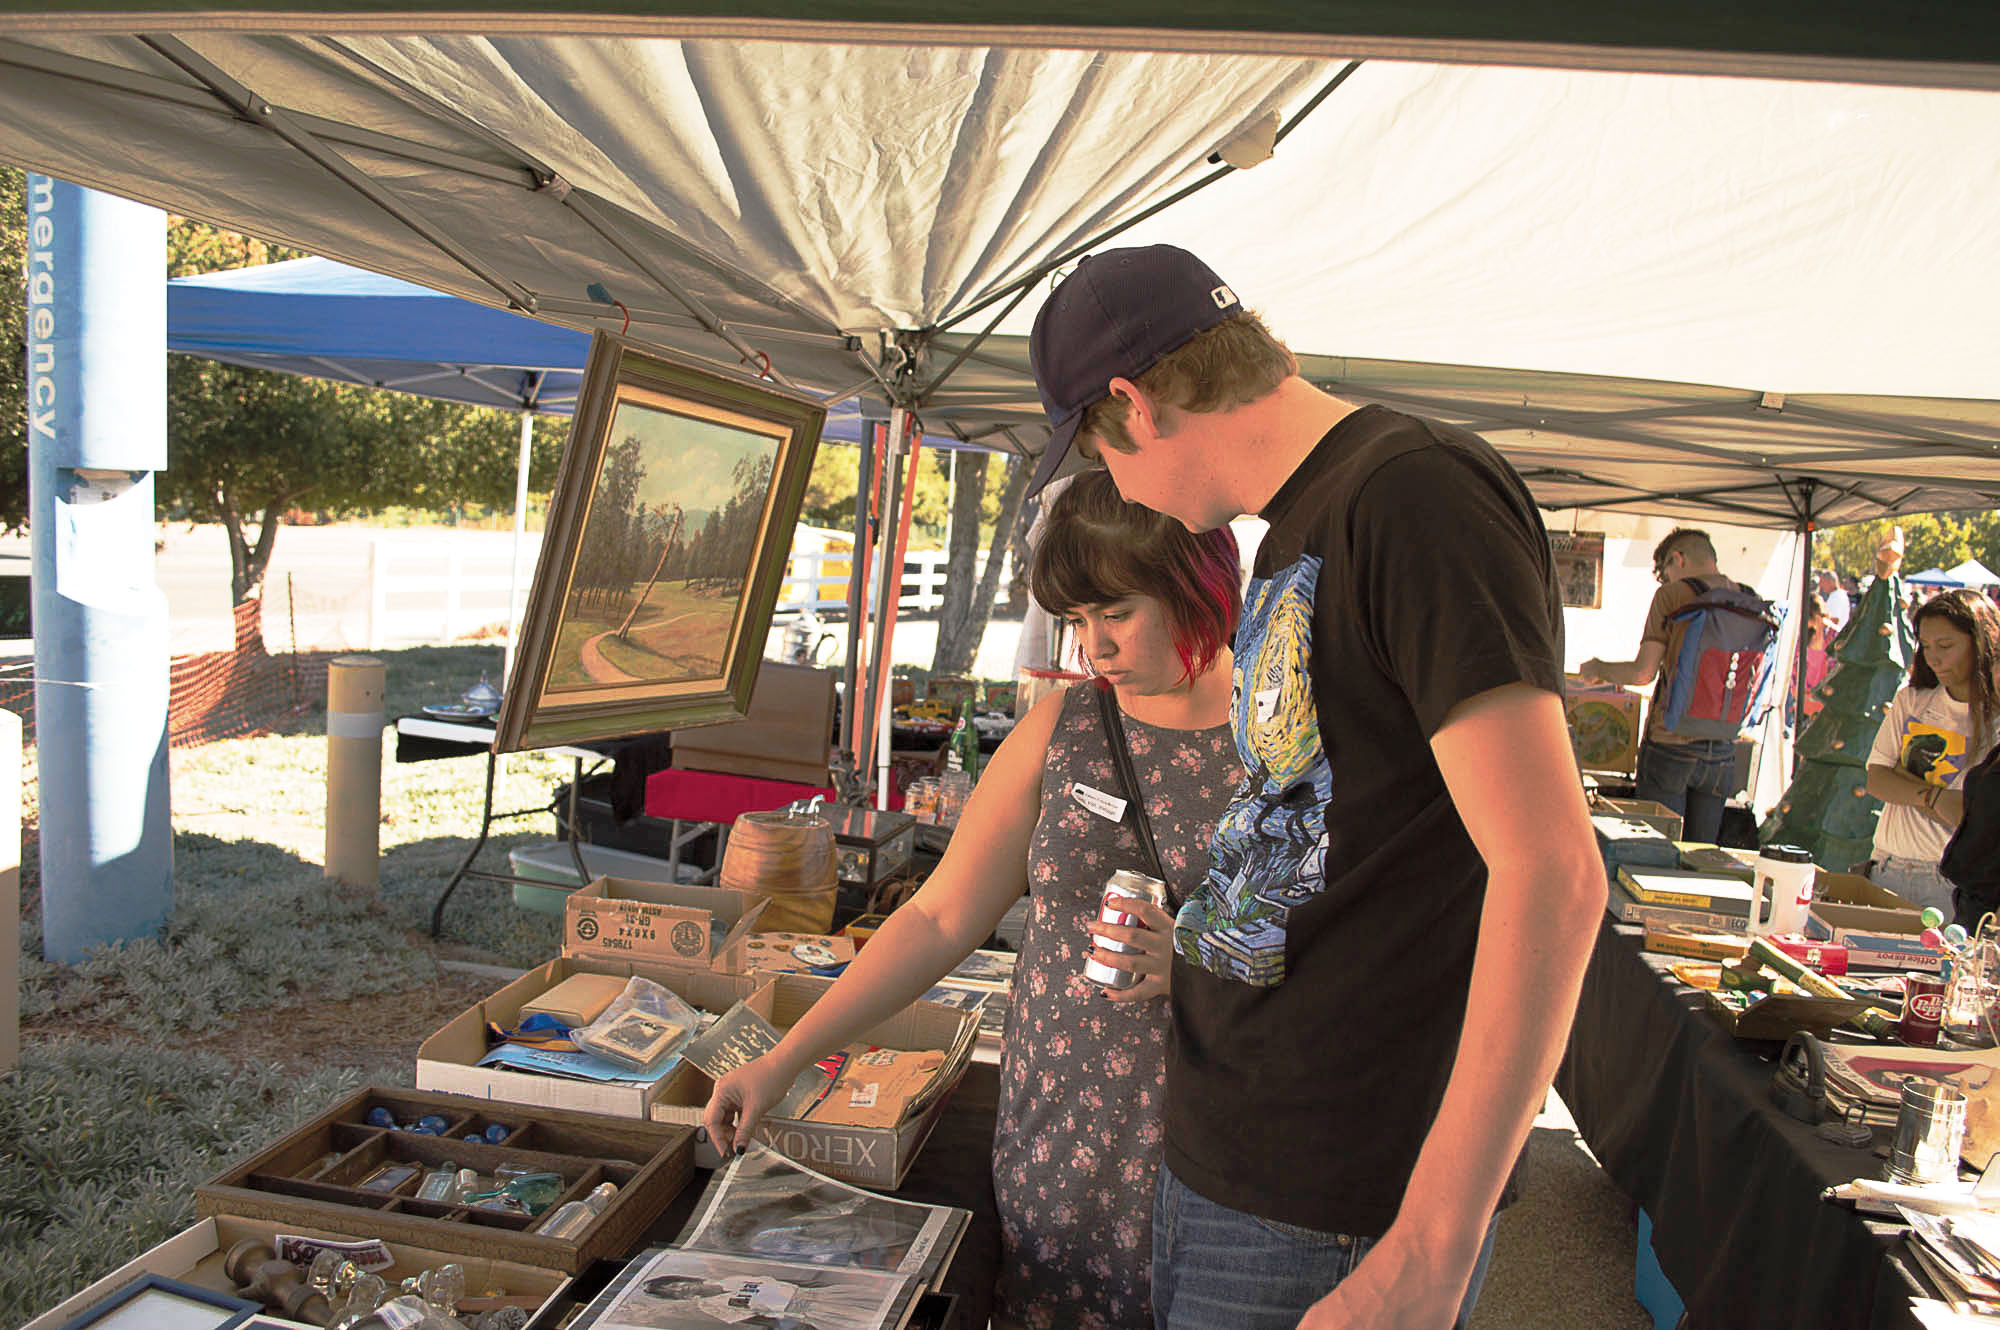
[(1679, 1113)]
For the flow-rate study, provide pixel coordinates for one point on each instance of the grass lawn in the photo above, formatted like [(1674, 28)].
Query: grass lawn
[(152, 1065)]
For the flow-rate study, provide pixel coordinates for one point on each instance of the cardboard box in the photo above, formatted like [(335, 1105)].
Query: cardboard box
[(786, 735), (865, 1156), (654, 924), (772, 953), (1604, 725), (1655, 815), (195, 1256), (313, 1176), (1879, 928), (1766, 1015), (448, 1061), (1625, 842)]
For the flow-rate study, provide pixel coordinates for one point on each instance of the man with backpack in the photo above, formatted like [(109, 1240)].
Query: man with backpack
[(1710, 642)]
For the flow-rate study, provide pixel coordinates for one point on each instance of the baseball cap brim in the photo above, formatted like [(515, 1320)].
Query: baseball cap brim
[(1053, 457)]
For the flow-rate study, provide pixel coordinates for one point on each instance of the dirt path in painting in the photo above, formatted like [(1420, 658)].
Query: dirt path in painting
[(600, 670)]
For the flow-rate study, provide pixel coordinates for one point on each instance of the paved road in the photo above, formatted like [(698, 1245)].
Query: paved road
[(316, 591)]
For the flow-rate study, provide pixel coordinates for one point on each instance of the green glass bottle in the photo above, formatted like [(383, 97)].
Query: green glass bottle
[(962, 752)]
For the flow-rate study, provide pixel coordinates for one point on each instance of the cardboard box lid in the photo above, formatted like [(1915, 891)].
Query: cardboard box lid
[(592, 911), (1854, 889), (1849, 903)]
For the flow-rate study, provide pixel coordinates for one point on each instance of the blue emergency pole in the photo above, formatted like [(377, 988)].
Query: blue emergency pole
[(97, 431)]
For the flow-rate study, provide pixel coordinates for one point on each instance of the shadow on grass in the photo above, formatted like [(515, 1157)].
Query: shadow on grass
[(252, 926), (480, 914)]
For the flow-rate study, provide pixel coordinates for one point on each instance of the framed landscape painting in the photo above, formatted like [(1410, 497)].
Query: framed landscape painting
[(664, 551)]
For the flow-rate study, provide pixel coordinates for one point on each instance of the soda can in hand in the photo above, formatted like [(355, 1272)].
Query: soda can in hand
[(1120, 889)]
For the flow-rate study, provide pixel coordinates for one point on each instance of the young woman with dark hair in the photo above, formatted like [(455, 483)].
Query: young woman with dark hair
[(1940, 725), (1078, 1140)]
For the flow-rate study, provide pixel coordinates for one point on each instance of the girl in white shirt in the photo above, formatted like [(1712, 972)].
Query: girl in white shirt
[(1939, 726)]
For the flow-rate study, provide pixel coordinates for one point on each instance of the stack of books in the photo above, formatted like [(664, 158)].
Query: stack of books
[(1693, 902)]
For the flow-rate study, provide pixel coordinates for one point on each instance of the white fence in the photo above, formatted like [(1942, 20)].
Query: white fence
[(425, 591), (408, 578), (819, 581)]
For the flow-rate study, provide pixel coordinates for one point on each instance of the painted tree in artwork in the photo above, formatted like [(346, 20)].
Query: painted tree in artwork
[(1828, 810)]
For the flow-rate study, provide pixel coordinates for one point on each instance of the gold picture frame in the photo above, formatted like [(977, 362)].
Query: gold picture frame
[(664, 551)]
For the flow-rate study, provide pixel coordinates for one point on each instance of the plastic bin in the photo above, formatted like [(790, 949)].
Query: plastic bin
[(550, 861)]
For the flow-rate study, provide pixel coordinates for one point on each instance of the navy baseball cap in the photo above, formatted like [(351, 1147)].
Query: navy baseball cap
[(1111, 318)]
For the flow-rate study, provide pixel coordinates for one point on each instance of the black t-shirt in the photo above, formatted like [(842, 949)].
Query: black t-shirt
[(1322, 970)]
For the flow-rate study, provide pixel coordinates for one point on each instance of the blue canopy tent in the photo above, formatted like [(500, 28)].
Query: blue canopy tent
[(328, 320), (1936, 577)]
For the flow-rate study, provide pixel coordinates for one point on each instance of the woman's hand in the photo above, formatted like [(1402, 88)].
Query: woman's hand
[(1948, 807), (741, 1100), (1153, 962)]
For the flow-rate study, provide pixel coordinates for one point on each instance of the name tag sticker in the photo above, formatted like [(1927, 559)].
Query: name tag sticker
[(1107, 806), (1266, 703)]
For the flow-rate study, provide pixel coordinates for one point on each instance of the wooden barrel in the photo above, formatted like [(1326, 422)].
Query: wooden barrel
[(788, 860)]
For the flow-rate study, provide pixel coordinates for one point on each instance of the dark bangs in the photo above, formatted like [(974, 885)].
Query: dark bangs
[(1097, 548)]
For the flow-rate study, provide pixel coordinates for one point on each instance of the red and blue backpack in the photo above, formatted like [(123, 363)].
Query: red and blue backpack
[(1720, 682)]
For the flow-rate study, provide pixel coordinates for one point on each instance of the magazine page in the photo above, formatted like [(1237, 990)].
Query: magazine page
[(764, 1205), (673, 1289), (1882, 1068)]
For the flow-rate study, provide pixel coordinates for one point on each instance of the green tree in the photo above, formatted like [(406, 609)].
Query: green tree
[(968, 595), (836, 474), (246, 446), (13, 349), (1936, 540)]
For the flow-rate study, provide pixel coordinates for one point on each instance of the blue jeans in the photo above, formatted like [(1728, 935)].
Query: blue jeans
[(1215, 1268), (1693, 779)]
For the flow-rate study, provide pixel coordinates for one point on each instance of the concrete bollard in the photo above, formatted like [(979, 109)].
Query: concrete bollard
[(354, 723), (10, 890)]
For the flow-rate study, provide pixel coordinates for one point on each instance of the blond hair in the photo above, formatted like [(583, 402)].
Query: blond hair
[(1232, 364)]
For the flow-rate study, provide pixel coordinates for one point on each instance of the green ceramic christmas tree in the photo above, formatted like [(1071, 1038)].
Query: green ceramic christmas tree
[(1828, 810)]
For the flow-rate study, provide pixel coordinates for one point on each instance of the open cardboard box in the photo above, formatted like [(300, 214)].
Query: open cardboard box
[(195, 1256), (1654, 814), (449, 1059), (1879, 928), (655, 924), (865, 1156)]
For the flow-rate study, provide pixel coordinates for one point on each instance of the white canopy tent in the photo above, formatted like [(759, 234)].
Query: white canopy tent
[(1758, 300), (1763, 301), (1973, 573)]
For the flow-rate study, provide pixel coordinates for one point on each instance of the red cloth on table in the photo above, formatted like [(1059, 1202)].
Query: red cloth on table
[(713, 796)]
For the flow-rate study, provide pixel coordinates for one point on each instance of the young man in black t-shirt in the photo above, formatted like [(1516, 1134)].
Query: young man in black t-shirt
[(1373, 989)]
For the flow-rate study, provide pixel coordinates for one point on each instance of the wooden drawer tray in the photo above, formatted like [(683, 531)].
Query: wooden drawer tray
[(310, 1176)]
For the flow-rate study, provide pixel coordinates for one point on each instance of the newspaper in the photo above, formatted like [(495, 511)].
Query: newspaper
[(779, 1246)]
